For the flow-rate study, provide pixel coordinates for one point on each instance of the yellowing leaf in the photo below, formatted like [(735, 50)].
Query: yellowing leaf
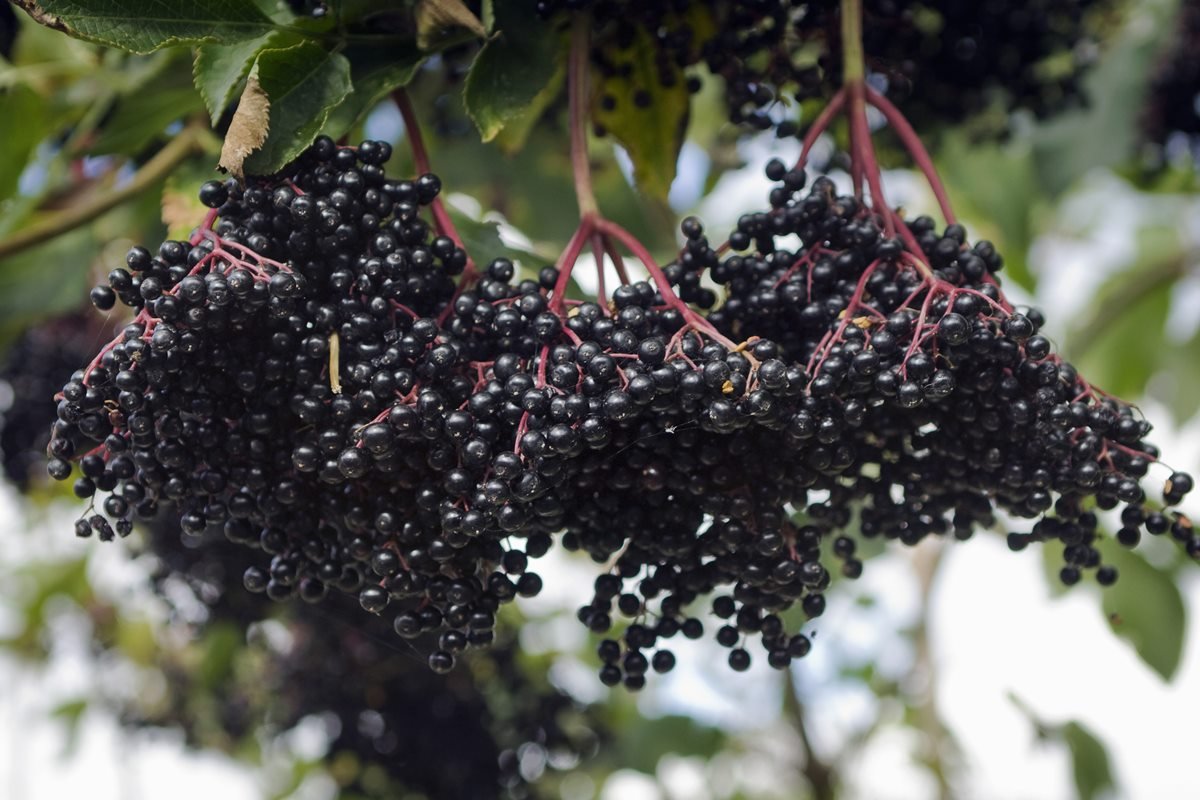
[(646, 117), (248, 128), (436, 17)]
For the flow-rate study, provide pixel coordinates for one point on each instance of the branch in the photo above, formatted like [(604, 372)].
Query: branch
[(821, 776), (940, 744), (187, 143)]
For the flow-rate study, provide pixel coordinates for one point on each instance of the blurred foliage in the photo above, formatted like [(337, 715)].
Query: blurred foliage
[(78, 119)]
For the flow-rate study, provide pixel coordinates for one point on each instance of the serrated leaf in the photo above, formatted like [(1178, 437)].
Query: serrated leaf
[(651, 132), (375, 72), (143, 26), (1145, 608), (436, 18), (1089, 761), (511, 71), (248, 128), (220, 68), (515, 132), (304, 84)]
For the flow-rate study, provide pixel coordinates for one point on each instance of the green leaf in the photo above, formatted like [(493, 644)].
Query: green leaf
[(645, 741), (511, 71), (220, 68), (1122, 344), (222, 642), (22, 123), (303, 83), (375, 72), (71, 714), (143, 26), (1181, 380), (1089, 761), (44, 281), (482, 240), (46, 580), (1145, 608), (517, 130), (142, 117), (995, 186), (442, 22), (652, 133), (136, 641)]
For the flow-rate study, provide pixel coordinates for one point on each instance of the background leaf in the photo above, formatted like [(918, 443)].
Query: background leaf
[(1070, 145), (141, 117), (1089, 761), (22, 126), (996, 186), (1145, 609)]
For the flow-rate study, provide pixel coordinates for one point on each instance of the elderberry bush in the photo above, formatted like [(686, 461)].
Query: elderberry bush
[(387, 715), (32, 369)]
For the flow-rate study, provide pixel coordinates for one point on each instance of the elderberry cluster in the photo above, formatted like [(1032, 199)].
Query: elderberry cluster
[(953, 404), (1171, 117), (302, 375), (306, 375), (945, 61)]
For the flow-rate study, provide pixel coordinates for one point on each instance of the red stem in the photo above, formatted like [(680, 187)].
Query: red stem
[(864, 154), (912, 143), (567, 262), (577, 101), (598, 254), (441, 217), (640, 252), (820, 125)]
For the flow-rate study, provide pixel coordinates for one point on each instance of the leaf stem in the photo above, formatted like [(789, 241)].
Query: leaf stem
[(156, 169)]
